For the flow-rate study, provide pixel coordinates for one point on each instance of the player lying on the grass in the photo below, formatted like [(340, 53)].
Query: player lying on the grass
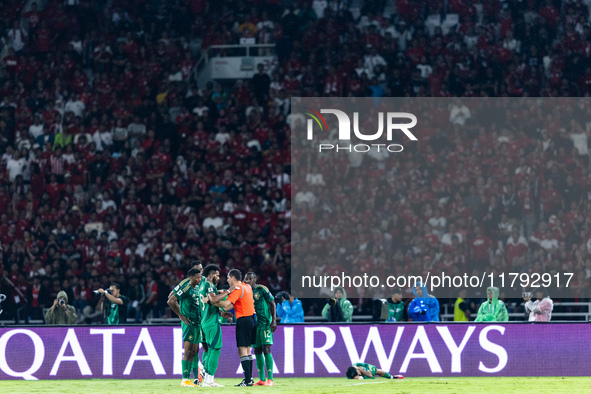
[(368, 371), (184, 301)]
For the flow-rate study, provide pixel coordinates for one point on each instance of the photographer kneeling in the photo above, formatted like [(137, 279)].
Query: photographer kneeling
[(61, 312), (338, 309), (115, 310)]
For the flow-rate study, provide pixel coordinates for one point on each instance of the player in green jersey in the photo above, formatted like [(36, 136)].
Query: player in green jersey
[(197, 366), (184, 301), (368, 371), (211, 324), (266, 325)]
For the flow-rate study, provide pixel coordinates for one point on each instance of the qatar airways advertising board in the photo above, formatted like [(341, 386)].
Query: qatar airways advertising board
[(135, 352)]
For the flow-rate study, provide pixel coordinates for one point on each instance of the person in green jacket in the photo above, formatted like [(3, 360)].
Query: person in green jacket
[(61, 312), (493, 309), (338, 309)]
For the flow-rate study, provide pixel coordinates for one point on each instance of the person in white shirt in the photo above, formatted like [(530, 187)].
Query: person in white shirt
[(459, 113), (102, 138), (446, 238), (373, 59), (437, 223), (541, 308), (511, 43), (15, 166), (222, 136), (16, 37), (75, 105), (401, 34), (213, 220), (281, 177), (424, 68), (136, 129), (319, 6), (76, 44), (36, 129), (305, 196), (314, 177), (549, 243)]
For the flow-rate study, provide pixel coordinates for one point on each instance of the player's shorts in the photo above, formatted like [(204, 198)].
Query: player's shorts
[(245, 331), (191, 334), (213, 336), (263, 336)]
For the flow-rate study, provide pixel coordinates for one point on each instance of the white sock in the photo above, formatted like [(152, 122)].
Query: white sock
[(210, 379), (206, 377)]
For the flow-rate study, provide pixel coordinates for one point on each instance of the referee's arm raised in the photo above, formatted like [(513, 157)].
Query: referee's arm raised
[(218, 300)]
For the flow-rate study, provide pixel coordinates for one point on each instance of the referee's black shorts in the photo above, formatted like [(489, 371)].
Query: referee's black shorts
[(245, 331)]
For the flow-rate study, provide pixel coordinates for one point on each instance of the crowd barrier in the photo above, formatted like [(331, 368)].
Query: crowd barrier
[(457, 349)]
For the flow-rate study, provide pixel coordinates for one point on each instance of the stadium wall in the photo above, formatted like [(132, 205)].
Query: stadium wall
[(139, 352)]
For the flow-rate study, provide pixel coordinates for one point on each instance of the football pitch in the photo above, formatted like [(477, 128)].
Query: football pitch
[(315, 385)]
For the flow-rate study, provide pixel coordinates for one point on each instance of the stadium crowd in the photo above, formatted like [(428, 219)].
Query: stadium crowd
[(116, 166)]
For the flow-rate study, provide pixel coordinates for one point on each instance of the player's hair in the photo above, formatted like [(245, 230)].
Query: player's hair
[(209, 269), (116, 285), (351, 372), (196, 262), (234, 273), (250, 273), (193, 271)]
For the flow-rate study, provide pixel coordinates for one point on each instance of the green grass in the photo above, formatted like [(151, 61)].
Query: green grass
[(315, 385)]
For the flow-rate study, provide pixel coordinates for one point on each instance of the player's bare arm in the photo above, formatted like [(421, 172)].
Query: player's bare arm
[(273, 309), (173, 303), (214, 299)]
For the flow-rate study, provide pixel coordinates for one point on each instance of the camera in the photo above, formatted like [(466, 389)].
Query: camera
[(332, 301), (62, 302)]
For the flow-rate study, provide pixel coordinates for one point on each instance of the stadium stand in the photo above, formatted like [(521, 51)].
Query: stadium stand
[(123, 161)]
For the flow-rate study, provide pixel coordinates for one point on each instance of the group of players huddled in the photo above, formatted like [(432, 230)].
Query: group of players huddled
[(200, 306)]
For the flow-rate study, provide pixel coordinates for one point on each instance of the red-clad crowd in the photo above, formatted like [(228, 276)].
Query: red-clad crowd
[(117, 166)]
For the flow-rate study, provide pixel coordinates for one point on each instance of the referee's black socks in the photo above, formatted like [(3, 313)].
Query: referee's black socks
[(247, 367)]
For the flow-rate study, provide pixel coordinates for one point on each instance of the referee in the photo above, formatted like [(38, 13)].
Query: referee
[(240, 296)]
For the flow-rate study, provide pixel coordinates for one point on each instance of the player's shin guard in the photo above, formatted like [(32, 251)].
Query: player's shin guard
[(186, 369), (206, 361), (196, 367), (212, 361), (261, 366), (269, 363)]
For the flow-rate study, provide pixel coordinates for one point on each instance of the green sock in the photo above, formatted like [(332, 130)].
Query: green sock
[(261, 366), (387, 375), (205, 361), (212, 362), (186, 369), (196, 367), (269, 363)]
